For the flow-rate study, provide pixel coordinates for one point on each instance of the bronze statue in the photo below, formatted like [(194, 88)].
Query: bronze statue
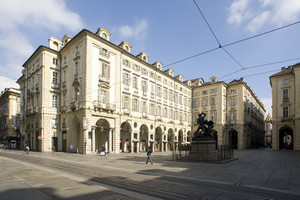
[(204, 129)]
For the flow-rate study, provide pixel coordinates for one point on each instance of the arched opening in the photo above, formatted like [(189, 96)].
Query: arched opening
[(143, 138), (102, 135), (171, 139), (180, 138), (233, 139), (55, 44), (75, 135), (189, 136), (286, 138), (158, 139), (125, 137)]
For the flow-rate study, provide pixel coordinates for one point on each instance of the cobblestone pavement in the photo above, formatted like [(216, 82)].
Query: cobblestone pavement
[(258, 168)]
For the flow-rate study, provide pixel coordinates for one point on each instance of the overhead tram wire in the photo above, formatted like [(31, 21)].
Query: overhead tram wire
[(261, 65), (232, 43), (254, 74), (220, 46)]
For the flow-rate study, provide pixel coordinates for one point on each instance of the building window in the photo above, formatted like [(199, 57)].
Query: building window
[(285, 112), (152, 109), (158, 112), (176, 98), (232, 101), (171, 114), (104, 52), (144, 71), (55, 78), (135, 105), (64, 100), (104, 71), (213, 91), (285, 81), (152, 89), (54, 123), (204, 92), (165, 112), (55, 61), (65, 74), (126, 80), (144, 107), (232, 91), (126, 102), (180, 100), (76, 67), (166, 94), (144, 86), (204, 102), (134, 82), (285, 94), (126, 63), (212, 102), (54, 101), (159, 91), (103, 97)]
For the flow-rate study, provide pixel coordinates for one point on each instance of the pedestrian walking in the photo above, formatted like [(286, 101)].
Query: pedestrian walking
[(149, 154), (71, 149), (27, 149), (103, 151)]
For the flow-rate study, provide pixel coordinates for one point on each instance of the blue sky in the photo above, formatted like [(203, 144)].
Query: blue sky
[(168, 30)]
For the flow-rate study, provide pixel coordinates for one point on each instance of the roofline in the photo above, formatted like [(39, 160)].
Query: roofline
[(125, 52), (33, 54)]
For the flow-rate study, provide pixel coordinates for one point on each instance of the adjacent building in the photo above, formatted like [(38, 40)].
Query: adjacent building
[(91, 93), (10, 135), (234, 108), (286, 108), (268, 128)]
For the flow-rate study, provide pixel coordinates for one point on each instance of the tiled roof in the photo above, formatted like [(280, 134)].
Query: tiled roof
[(284, 71)]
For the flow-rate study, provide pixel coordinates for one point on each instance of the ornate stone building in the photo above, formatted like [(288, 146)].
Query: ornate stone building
[(10, 118), (89, 92), (237, 112), (286, 108), (268, 128)]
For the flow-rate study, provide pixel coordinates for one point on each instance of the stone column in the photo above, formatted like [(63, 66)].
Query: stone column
[(93, 139), (110, 140)]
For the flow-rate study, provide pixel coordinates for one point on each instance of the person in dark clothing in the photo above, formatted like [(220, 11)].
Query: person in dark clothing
[(149, 154)]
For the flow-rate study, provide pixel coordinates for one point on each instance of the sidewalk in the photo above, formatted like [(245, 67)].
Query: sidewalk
[(255, 168)]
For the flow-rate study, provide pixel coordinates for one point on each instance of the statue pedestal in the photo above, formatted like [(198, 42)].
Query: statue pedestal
[(204, 150)]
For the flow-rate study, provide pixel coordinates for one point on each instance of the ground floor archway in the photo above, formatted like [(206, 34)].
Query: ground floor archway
[(233, 139), (125, 137), (286, 138), (102, 135), (144, 141)]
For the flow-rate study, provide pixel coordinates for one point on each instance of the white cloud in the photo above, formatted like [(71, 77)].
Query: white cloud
[(257, 13), (258, 21), (238, 11), (138, 31), (16, 15), (268, 105)]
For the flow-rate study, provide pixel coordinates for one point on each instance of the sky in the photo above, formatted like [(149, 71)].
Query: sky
[(168, 31)]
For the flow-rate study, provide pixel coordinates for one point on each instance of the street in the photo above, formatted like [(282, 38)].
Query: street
[(125, 176)]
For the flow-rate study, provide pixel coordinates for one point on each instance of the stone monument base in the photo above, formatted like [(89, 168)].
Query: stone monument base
[(203, 150)]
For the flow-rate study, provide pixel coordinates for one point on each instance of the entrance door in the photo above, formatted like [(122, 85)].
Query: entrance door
[(234, 139), (286, 138)]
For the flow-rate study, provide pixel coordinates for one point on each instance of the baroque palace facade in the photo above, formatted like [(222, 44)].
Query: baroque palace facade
[(89, 92), (10, 135), (286, 108), (234, 108)]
